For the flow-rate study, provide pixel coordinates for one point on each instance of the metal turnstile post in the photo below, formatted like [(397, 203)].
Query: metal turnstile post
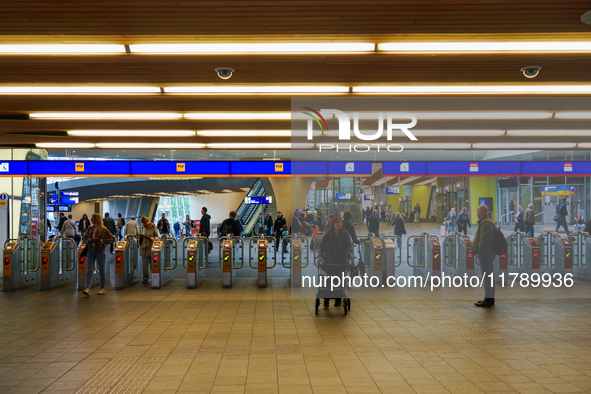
[(58, 262), (229, 261), (21, 262), (163, 255), (126, 262), (195, 260)]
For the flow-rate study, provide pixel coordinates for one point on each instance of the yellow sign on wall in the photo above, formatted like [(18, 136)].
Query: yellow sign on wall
[(180, 167), (79, 167), (2, 203), (278, 167)]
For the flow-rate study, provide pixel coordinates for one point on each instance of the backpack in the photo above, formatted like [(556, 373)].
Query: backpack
[(307, 229), (227, 228), (499, 242)]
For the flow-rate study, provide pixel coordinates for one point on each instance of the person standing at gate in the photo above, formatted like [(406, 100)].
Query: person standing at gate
[(109, 224), (560, 217), (529, 220), (278, 229), (120, 224), (399, 229), (204, 224), (131, 228), (177, 229), (463, 221), (373, 224), (482, 247), (163, 225), (148, 235), (97, 237), (518, 217)]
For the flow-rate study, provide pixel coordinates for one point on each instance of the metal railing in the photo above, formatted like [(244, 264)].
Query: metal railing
[(578, 241), (237, 244), (547, 248)]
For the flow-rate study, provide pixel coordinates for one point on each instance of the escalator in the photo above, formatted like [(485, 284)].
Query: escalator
[(250, 213)]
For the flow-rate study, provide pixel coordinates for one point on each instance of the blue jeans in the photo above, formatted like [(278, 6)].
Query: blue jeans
[(177, 233), (563, 224), (100, 258), (398, 239), (579, 226), (486, 266)]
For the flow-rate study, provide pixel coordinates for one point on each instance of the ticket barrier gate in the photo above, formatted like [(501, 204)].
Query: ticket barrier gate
[(126, 262), (83, 266), (164, 261), (21, 262), (426, 255), (523, 254), (195, 260), (58, 262), (563, 256), (262, 257), (392, 255), (298, 258), (581, 244), (457, 254), (231, 258)]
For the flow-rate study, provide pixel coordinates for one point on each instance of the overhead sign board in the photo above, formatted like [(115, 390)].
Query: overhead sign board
[(466, 168), (264, 168), (175, 168), (552, 168), (392, 190), (52, 168), (404, 168), (14, 168)]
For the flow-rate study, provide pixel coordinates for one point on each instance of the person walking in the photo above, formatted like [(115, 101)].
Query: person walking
[(83, 224), (148, 235), (177, 229), (120, 224), (529, 219), (518, 217), (163, 225), (69, 229), (61, 222), (204, 224), (451, 217), (97, 237), (278, 229), (399, 229), (373, 224), (389, 215), (131, 228), (109, 224), (188, 226), (335, 252), (230, 226), (417, 212), (349, 228), (560, 217), (269, 225), (463, 221), (482, 247)]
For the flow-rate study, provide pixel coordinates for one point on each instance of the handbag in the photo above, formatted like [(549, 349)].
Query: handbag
[(84, 251), (558, 218)]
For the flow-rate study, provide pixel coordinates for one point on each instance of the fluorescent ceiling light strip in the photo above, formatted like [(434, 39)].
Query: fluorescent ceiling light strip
[(550, 133), (64, 145), (148, 145), (253, 48), (527, 145), (573, 115), (253, 145), (457, 133), (61, 49), (475, 47), (132, 133), (287, 89), (458, 115), (238, 115), (106, 115), (584, 145), (476, 89), (441, 146), (77, 89), (244, 133)]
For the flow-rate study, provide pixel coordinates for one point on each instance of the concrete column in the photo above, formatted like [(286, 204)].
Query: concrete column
[(290, 194)]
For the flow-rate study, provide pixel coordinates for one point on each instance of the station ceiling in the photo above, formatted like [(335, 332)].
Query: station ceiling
[(174, 22)]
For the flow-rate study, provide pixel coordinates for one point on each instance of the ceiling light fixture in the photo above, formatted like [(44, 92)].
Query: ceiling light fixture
[(253, 48), (526, 145), (458, 133), (65, 145), (238, 115), (572, 115), (441, 146), (474, 89), (148, 145), (244, 133), (58, 90), (256, 89), (254, 145), (61, 49), (548, 133), (107, 115), (132, 133), (486, 47)]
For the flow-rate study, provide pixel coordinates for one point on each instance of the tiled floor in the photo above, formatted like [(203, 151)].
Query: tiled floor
[(252, 340)]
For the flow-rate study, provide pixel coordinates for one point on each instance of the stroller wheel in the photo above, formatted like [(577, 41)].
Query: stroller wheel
[(317, 304)]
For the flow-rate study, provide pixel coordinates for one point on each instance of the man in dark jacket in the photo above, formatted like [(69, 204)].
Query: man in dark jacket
[(560, 218), (483, 248), (348, 227), (62, 221), (230, 226), (373, 224), (204, 224), (399, 229), (278, 229), (109, 224), (163, 225), (269, 223)]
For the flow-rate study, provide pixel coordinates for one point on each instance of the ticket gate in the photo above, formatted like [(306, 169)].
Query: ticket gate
[(563, 256), (426, 255), (83, 266), (261, 257), (581, 244), (392, 255), (231, 258), (195, 260), (21, 262), (457, 254), (299, 257), (531, 256), (164, 260), (58, 262), (126, 262), (515, 252)]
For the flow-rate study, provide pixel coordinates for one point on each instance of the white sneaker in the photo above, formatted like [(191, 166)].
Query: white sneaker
[(86, 292), (101, 292)]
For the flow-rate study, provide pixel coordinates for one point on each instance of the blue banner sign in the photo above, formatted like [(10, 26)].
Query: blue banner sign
[(343, 196), (319, 168), (52, 199), (64, 208), (14, 168), (252, 200), (349, 168), (69, 194), (69, 200), (180, 168), (392, 190), (475, 168), (263, 168), (51, 208), (267, 199), (552, 168), (404, 168), (368, 198), (79, 168)]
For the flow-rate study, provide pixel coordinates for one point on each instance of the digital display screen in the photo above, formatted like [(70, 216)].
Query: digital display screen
[(69, 194), (52, 199), (343, 196), (252, 200), (368, 198), (437, 190), (392, 190), (51, 208), (268, 200), (510, 182), (63, 208), (69, 200)]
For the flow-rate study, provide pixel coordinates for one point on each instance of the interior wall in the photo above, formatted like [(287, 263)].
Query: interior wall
[(420, 195), (218, 205), (394, 200), (480, 187)]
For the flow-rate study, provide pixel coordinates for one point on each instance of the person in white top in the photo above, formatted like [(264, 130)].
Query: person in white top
[(69, 228), (131, 227)]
